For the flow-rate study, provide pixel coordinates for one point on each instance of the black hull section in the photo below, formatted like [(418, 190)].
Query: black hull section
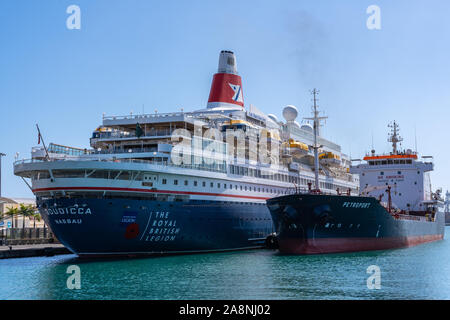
[(312, 224)]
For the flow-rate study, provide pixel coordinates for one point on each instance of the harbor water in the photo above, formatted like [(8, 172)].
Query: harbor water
[(421, 272)]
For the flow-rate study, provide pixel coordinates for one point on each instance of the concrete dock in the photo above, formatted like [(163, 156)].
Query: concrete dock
[(33, 250)]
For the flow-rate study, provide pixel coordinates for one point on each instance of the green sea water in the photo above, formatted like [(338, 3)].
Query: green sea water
[(421, 272)]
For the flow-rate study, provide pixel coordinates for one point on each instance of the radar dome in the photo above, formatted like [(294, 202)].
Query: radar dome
[(307, 127), (273, 117), (290, 113)]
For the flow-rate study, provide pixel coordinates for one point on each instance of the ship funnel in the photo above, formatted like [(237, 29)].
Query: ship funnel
[(226, 88)]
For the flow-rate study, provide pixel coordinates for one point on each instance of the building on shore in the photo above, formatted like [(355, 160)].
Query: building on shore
[(12, 203)]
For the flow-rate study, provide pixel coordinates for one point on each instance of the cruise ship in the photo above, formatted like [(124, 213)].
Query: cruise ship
[(181, 182)]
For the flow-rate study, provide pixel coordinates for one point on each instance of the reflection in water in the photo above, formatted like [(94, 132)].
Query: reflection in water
[(421, 272)]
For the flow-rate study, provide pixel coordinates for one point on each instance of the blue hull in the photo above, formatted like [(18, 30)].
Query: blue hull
[(103, 227)]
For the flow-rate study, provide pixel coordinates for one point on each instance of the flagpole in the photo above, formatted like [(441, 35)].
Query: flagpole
[(1, 155), (43, 143)]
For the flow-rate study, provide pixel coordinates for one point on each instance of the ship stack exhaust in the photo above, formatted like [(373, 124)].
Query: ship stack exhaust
[(226, 88)]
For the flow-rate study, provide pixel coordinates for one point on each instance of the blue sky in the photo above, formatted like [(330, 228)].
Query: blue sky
[(162, 54)]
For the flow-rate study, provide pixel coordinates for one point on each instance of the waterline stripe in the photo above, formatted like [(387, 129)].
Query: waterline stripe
[(165, 252)]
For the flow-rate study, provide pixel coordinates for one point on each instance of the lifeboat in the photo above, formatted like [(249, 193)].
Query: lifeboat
[(236, 125), (101, 132), (295, 148), (329, 158)]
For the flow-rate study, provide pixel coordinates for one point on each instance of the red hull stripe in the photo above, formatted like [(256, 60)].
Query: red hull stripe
[(339, 245), (151, 191)]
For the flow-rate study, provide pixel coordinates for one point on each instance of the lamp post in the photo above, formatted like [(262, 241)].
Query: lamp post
[(1, 155), (2, 237)]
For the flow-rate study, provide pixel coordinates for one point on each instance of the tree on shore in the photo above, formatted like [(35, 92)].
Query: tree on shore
[(11, 213), (26, 211), (36, 216)]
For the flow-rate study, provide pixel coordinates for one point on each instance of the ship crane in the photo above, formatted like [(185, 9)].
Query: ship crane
[(387, 189), (373, 188)]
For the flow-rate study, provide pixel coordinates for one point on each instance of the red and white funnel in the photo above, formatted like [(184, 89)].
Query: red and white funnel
[(226, 88)]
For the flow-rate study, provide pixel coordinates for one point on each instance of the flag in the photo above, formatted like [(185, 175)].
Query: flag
[(39, 134)]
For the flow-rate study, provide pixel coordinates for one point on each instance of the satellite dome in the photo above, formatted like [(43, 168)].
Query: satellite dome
[(296, 124), (307, 127), (290, 113), (273, 117)]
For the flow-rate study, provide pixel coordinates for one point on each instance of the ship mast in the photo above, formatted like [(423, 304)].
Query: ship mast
[(316, 146), (447, 202), (394, 136)]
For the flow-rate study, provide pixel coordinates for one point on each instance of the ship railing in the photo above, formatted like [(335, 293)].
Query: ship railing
[(161, 163), (26, 161), (197, 115), (116, 150), (146, 116), (122, 151), (298, 190), (123, 135)]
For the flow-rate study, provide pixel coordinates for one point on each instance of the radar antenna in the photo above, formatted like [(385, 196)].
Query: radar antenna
[(316, 146), (394, 136)]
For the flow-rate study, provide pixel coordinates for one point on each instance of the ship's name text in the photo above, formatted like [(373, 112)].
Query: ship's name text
[(162, 228), (356, 205), (70, 210)]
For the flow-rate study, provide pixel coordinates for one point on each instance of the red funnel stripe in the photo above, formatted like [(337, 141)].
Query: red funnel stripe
[(222, 91)]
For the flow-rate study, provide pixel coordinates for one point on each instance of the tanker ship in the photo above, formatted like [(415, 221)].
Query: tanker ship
[(180, 182), (396, 208)]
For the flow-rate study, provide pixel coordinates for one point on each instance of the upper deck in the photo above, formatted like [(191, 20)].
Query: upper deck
[(223, 136)]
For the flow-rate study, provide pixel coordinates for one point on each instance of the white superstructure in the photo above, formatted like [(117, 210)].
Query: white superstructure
[(401, 173), (134, 155)]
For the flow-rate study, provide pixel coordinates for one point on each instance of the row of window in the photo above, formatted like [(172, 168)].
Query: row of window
[(97, 174), (224, 186), (258, 173), (228, 186), (382, 173), (383, 162), (139, 176)]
